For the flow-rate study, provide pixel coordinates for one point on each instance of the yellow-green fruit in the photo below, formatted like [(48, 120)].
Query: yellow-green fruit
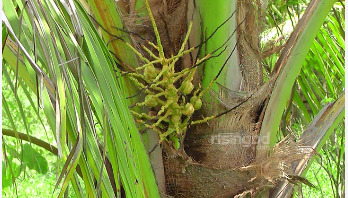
[(172, 93), (150, 72), (197, 102), (188, 110), (193, 99), (150, 101), (176, 119), (188, 87)]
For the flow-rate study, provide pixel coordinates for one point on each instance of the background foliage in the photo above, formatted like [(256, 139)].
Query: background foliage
[(321, 81)]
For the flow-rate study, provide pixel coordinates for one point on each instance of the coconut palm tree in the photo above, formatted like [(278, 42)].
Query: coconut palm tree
[(157, 98)]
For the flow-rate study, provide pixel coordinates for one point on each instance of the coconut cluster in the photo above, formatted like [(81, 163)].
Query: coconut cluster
[(170, 94)]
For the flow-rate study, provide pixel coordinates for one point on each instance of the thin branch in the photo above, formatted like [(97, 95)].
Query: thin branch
[(47, 146), (33, 140)]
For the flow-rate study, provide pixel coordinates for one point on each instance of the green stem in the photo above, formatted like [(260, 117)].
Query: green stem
[(33, 140), (37, 142)]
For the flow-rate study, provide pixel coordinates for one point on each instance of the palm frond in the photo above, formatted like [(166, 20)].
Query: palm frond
[(77, 88)]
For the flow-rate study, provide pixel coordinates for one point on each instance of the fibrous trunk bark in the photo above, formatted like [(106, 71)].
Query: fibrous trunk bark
[(209, 165)]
